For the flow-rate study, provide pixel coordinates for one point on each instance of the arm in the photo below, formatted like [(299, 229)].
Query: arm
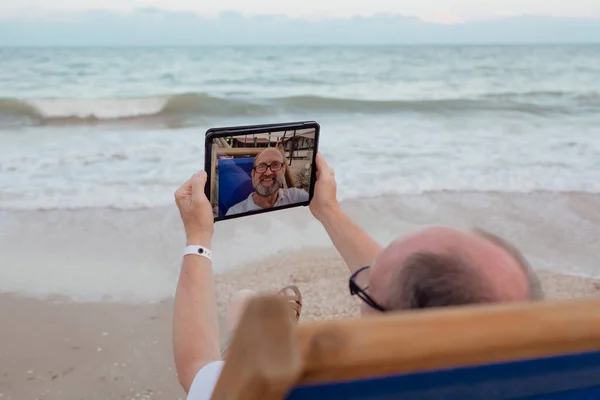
[(195, 323), (354, 245)]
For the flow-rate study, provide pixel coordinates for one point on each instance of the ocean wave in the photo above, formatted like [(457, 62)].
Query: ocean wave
[(72, 111), (438, 106), (586, 98), (181, 107)]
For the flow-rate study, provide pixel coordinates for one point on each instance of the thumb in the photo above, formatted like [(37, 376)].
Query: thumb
[(198, 184), (321, 163)]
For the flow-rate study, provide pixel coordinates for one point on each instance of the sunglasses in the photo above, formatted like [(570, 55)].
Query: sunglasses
[(356, 289)]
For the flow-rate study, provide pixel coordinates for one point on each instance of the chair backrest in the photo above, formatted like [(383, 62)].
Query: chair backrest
[(235, 181), (573, 376), (544, 350)]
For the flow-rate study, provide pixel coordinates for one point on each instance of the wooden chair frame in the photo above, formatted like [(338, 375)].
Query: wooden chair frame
[(269, 355)]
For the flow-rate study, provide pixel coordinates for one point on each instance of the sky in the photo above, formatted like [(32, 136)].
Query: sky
[(440, 11), (284, 22)]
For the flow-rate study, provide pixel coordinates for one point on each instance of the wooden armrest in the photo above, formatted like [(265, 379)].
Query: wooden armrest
[(270, 356)]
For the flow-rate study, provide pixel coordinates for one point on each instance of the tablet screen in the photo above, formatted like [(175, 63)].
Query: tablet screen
[(261, 171)]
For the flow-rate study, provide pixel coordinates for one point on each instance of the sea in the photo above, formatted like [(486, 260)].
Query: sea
[(90, 131)]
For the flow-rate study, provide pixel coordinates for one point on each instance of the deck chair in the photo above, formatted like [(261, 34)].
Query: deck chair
[(235, 182), (543, 350)]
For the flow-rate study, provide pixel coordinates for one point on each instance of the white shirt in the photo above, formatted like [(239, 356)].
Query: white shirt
[(286, 197), (205, 381)]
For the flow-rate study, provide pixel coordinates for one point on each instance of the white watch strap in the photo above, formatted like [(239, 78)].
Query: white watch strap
[(197, 250)]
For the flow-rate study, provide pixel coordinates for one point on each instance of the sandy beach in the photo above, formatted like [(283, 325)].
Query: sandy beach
[(63, 344), (61, 350)]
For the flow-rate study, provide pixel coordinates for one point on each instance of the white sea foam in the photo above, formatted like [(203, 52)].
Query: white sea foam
[(98, 108), (82, 168)]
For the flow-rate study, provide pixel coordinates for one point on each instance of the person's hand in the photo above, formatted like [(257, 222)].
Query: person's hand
[(195, 209), (324, 200)]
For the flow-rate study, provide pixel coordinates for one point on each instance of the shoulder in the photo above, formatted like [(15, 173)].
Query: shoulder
[(296, 194), (240, 207), (205, 381)]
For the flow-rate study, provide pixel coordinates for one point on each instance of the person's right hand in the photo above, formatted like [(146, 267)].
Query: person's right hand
[(324, 200), (195, 210)]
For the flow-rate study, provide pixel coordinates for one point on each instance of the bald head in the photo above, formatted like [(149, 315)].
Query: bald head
[(440, 265), (268, 154)]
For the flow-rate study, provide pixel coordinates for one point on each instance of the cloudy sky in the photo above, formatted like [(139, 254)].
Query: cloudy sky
[(430, 10)]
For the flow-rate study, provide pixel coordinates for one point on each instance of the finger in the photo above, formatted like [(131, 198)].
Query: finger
[(198, 184), (321, 163), (184, 190)]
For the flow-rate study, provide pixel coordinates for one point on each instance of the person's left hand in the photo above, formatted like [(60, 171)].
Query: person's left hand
[(195, 209)]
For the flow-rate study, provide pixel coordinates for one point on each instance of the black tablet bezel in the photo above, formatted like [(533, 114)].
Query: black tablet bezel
[(215, 133)]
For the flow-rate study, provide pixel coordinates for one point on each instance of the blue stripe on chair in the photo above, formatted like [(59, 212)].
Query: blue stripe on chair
[(235, 182), (572, 377), (575, 394)]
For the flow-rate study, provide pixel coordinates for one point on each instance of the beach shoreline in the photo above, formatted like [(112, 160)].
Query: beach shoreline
[(103, 253)]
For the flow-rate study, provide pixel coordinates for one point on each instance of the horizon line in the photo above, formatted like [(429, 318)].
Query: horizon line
[(431, 44), (24, 13)]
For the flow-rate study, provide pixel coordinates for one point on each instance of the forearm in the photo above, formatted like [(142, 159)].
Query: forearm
[(195, 322), (355, 246)]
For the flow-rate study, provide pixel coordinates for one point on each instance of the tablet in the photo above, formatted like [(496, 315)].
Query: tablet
[(255, 169)]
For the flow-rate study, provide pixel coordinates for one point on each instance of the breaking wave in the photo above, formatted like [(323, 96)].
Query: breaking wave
[(181, 107)]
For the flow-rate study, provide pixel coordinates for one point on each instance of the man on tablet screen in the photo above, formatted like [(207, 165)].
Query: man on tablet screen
[(267, 180)]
